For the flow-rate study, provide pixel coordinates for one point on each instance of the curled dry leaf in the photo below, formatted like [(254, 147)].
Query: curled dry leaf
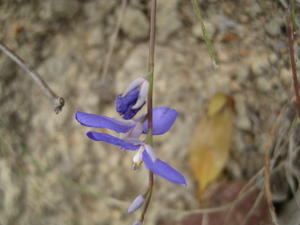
[(209, 149)]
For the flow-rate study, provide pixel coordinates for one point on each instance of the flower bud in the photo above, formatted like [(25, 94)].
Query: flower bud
[(136, 204), (133, 99)]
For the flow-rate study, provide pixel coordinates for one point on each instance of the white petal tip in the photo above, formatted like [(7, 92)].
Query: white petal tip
[(137, 82), (150, 152), (142, 95)]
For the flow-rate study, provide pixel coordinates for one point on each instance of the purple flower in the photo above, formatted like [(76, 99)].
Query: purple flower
[(130, 131), (133, 99)]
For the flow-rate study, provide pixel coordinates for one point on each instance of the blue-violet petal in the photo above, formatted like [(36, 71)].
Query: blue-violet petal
[(163, 120), (163, 170), (98, 121), (125, 103), (111, 140)]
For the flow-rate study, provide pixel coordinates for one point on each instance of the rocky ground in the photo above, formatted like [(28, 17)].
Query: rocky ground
[(51, 174)]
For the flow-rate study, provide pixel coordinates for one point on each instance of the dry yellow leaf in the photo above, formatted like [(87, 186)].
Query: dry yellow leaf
[(211, 142)]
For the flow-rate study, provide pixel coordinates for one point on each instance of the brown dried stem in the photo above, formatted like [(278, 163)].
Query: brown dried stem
[(292, 58), (249, 185), (267, 187), (179, 215), (253, 208), (58, 102)]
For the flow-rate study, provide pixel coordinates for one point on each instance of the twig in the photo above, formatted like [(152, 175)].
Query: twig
[(179, 215), (113, 41), (208, 42), (205, 210), (254, 207), (242, 191), (205, 220), (267, 187), (149, 139), (58, 102), (292, 58)]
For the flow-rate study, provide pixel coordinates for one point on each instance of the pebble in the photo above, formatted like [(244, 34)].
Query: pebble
[(273, 58), (94, 37), (263, 84), (168, 19), (64, 8), (243, 122), (273, 27), (259, 65), (241, 73), (253, 10), (95, 11), (135, 24), (285, 76)]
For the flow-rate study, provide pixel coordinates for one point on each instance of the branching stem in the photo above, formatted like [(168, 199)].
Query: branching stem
[(58, 102)]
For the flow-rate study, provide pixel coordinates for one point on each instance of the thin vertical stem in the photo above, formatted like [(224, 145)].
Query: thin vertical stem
[(151, 63), (292, 58), (150, 99)]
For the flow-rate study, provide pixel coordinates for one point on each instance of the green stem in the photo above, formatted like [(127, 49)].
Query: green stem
[(208, 42), (149, 139)]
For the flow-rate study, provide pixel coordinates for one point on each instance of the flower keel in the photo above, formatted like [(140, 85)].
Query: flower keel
[(163, 170), (133, 99)]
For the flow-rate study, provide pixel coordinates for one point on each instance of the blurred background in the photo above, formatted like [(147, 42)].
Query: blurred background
[(51, 174)]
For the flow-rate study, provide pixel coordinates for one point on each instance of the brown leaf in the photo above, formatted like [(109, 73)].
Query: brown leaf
[(211, 142)]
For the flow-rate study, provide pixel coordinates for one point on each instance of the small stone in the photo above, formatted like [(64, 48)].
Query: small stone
[(64, 8), (259, 65), (234, 169), (241, 73), (135, 24), (168, 19), (273, 58), (243, 122), (95, 11), (263, 84), (285, 76), (273, 27), (253, 10), (94, 37)]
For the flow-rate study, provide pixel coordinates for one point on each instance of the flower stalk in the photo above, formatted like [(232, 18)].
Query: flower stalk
[(150, 78)]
